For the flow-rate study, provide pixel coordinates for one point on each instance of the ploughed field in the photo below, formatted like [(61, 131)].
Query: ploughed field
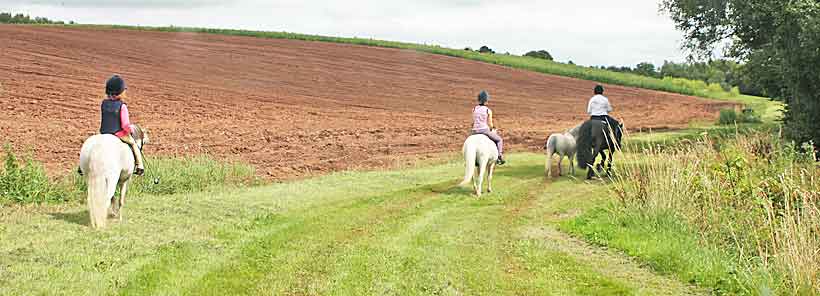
[(291, 108)]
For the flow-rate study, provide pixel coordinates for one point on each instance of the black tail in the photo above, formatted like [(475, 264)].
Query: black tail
[(583, 155)]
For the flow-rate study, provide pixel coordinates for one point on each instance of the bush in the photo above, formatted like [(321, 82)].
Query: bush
[(727, 116), (485, 49), (541, 54), (27, 182), (756, 197), (730, 116)]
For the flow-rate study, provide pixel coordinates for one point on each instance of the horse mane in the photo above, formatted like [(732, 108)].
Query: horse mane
[(139, 134), (574, 131)]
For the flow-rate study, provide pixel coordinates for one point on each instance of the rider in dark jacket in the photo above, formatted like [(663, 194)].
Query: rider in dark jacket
[(115, 119)]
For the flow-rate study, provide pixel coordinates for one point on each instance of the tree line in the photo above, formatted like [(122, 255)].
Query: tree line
[(9, 18), (724, 72)]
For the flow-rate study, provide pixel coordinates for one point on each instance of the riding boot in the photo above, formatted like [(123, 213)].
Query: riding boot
[(140, 168), (500, 160)]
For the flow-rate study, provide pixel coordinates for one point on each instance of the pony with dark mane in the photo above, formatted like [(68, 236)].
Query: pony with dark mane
[(597, 137)]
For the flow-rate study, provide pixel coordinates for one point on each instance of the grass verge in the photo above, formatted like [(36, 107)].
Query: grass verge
[(736, 215), (24, 181)]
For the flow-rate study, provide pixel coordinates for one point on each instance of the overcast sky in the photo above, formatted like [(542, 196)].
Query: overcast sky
[(588, 32)]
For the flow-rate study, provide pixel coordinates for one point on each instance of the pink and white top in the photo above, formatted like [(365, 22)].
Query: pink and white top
[(125, 122), (481, 115)]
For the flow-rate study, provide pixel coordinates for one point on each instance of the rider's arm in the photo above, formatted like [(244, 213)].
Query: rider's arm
[(490, 119), (125, 122), (589, 107), (608, 106)]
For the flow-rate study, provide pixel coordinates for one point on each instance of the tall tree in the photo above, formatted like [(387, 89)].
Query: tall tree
[(778, 40)]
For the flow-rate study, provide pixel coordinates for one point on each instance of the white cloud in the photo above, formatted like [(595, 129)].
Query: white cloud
[(589, 32)]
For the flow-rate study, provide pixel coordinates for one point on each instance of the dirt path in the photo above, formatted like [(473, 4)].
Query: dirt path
[(366, 233), (291, 108)]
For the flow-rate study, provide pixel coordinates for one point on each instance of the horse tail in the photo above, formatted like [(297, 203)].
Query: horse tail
[(550, 146), (97, 195), (469, 163), (583, 154)]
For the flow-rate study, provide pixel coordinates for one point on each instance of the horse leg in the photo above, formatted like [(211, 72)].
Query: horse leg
[(548, 164), (609, 163), (482, 170), (475, 178), (571, 164), (121, 201), (490, 177), (560, 161)]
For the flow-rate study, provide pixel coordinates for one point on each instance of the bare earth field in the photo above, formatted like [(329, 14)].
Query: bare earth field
[(291, 108)]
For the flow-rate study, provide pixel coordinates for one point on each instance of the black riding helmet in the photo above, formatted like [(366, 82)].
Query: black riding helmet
[(483, 97), (599, 90), (115, 86)]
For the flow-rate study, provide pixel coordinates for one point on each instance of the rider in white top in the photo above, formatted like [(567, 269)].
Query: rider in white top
[(599, 107)]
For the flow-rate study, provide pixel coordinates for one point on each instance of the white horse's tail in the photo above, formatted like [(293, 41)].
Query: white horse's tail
[(97, 194), (469, 163), (550, 146)]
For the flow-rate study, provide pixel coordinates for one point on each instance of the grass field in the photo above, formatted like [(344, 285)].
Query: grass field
[(404, 232)]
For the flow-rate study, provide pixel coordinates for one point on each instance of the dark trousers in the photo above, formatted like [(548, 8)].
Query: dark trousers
[(607, 118)]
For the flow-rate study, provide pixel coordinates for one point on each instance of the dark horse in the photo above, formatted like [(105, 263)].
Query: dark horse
[(594, 138)]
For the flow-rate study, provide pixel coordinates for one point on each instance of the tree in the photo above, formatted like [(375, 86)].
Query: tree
[(541, 54), (646, 69), (778, 41), (485, 49)]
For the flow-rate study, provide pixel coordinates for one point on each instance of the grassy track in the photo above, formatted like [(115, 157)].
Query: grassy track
[(388, 233)]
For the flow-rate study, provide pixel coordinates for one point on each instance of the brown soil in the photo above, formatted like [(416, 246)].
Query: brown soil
[(291, 108)]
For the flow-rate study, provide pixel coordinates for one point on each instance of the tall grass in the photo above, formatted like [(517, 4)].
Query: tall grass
[(756, 198), (668, 84), (24, 181)]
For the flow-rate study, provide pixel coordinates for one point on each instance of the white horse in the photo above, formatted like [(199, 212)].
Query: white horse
[(108, 163), (479, 151), (562, 144)]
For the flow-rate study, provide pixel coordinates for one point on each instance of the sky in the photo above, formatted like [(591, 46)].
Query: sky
[(587, 32)]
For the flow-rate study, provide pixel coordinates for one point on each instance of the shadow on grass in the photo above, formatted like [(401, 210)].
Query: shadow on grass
[(79, 217), (522, 171)]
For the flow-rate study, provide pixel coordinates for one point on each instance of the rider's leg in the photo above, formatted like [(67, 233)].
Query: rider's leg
[(499, 143), (140, 168)]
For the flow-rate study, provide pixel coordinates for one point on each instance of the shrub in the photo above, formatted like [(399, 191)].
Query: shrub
[(541, 54), (756, 197), (727, 116), (730, 116), (27, 182)]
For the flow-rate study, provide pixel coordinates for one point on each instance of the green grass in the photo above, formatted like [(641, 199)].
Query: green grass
[(408, 232), (24, 181), (733, 213), (674, 85), (663, 243)]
